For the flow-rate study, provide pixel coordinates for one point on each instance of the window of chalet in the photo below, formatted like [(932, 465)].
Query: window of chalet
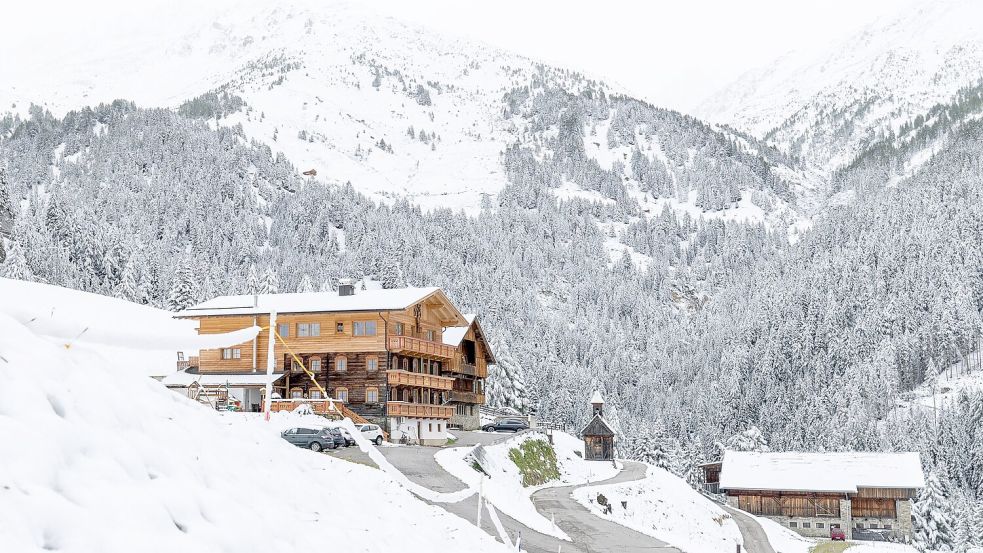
[(315, 365), (406, 363), (341, 394), (339, 328), (341, 363), (231, 353), (315, 394), (793, 524), (305, 330), (371, 394), (416, 365), (363, 328), (430, 335), (295, 366), (400, 329), (371, 363), (283, 329), (296, 393), (820, 525), (807, 525)]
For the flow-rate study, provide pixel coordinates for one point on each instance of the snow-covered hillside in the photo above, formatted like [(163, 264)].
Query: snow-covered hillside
[(828, 107), (97, 457)]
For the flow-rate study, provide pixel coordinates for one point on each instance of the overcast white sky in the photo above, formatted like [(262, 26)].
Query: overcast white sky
[(672, 53)]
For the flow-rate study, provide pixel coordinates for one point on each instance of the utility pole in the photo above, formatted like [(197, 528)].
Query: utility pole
[(270, 365)]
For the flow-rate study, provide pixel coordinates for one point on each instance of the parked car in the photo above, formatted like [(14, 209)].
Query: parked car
[(372, 433), (837, 534), (311, 438), (349, 440), (339, 438), (506, 425)]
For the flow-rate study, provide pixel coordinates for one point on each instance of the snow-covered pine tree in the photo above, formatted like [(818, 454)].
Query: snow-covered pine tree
[(932, 513), (128, 288), (747, 440), (183, 290), (15, 266), (271, 284), (507, 385), (252, 280), (305, 284)]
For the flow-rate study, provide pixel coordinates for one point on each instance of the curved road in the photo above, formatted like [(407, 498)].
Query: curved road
[(755, 539), (590, 534), (591, 531)]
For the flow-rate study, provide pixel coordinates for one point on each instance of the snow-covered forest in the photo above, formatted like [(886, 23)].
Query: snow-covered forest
[(611, 259)]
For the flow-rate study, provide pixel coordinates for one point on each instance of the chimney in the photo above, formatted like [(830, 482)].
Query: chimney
[(346, 287)]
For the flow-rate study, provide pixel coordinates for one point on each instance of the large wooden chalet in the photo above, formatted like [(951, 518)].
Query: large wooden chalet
[(405, 359), (867, 495)]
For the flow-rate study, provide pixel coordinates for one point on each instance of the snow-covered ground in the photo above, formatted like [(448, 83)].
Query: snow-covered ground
[(666, 507), (101, 324), (783, 540), (501, 485), (95, 456)]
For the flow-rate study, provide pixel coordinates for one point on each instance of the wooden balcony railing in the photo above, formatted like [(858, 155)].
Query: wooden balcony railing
[(467, 397), (403, 409), (417, 346), (406, 378), (185, 364), (319, 406)]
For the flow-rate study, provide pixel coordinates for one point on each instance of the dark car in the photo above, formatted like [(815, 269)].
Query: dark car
[(311, 438), (506, 425), (339, 437)]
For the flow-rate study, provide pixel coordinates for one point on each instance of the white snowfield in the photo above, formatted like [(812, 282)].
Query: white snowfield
[(95, 456), (832, 472), (307, 302), (502, 487), (667, 508), (142, 338)]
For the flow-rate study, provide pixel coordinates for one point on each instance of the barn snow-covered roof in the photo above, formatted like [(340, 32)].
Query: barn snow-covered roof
[(841, 472)]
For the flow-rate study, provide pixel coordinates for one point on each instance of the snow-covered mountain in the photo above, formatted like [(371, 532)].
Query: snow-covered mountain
[(397, 110), (830, 107)]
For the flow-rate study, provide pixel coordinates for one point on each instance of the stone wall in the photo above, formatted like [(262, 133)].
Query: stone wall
[(813, 527)]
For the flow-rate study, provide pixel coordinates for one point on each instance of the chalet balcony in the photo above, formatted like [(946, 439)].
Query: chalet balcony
[(331, 408), (467, 397), (462, 368), (422, 348), (420, 380), (418, 410), (185, 364)]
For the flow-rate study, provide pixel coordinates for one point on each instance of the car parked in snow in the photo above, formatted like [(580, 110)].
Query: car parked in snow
[(339, 438), (349, 440), (837, 534), (372, 433), (311, 438), (506, 425)]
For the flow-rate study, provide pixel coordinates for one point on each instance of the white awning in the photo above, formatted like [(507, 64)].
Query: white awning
[(185, 379)]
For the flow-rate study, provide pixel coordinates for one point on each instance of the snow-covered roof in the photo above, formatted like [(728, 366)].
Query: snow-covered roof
[(597, 427), (311, 302), (820, 472), (454, 334), (596, 398), (185, 379)]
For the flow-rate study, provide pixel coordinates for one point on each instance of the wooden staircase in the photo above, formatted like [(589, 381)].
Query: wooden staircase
[(355, 417)]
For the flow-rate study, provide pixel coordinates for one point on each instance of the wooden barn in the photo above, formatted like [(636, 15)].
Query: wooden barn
[(867, 495), (598, 436)]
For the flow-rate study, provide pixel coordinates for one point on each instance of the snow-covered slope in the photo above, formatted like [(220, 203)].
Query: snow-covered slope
[(828, 107), (95, 457)]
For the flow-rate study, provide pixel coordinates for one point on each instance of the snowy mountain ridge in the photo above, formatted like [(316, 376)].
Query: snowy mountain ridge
[(827, 108)]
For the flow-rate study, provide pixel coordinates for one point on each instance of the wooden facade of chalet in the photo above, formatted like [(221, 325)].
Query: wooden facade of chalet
[(815, 493), (384, 359)]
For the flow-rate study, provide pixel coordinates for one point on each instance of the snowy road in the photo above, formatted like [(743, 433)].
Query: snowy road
[(755, 539), (589, 532)]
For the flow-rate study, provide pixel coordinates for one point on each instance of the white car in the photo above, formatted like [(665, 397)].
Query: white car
[(372, 432)]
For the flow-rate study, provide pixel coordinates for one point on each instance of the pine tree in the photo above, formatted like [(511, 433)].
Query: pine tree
[(506, 385), (933, 527), (15, 267), (271, 284), (128, 288), (305, 285), (182, 293), (748, 440), (252, 280)]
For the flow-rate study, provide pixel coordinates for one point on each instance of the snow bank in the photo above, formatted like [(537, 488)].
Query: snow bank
[(782, 539), (143, 338), (665, 507), (96, 458), (501, 485)]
